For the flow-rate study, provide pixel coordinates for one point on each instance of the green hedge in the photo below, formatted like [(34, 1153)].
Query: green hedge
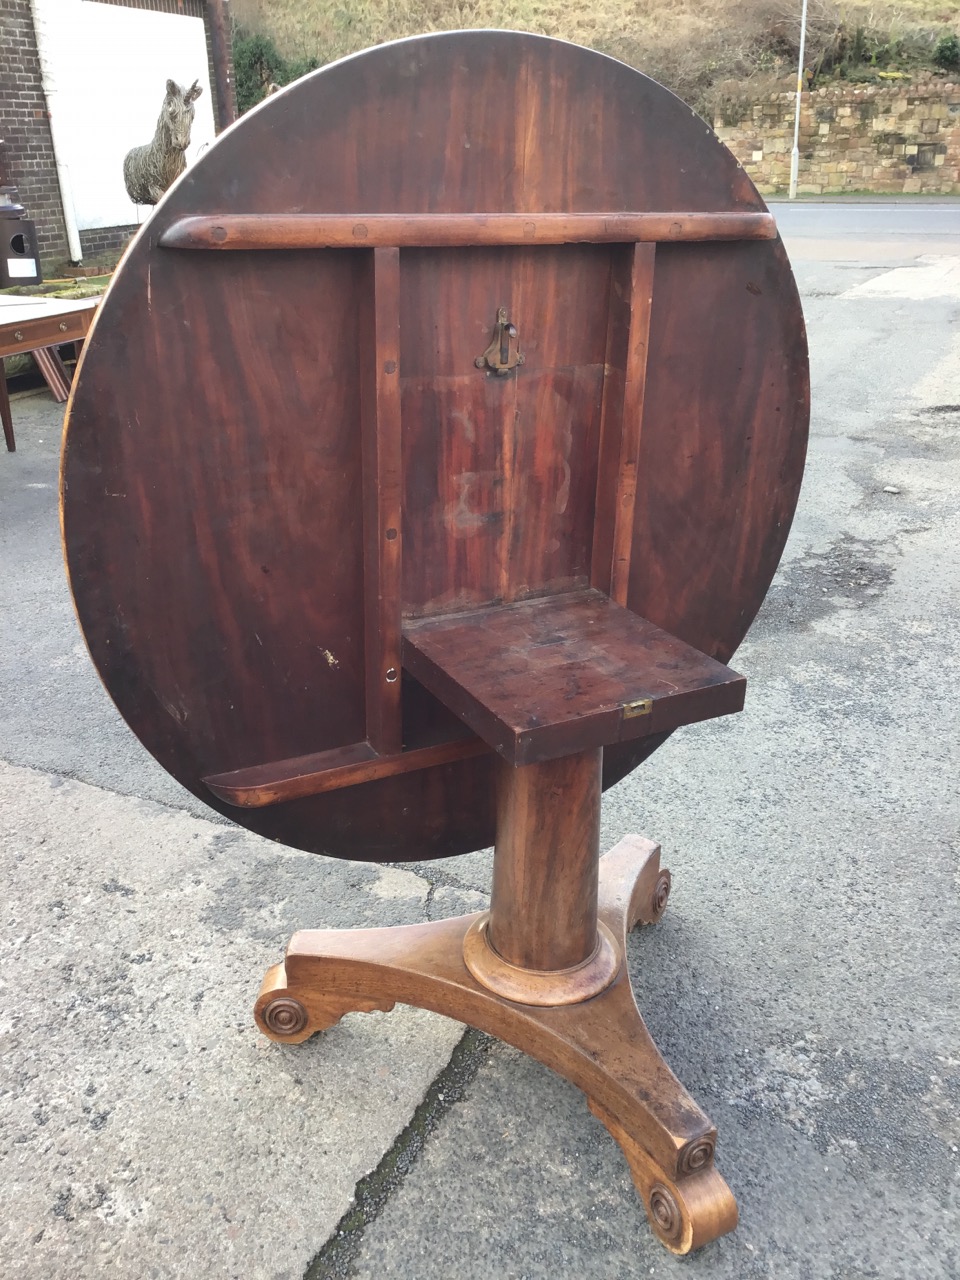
[(257, 64)]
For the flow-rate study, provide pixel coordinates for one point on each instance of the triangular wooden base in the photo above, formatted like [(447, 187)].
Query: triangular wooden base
[(599, 1041)]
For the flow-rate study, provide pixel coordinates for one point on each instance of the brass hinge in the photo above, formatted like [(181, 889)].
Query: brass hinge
[(503, 353), (642, 707)]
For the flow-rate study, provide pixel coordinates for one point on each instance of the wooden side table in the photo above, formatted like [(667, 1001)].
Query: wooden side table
[(431, 457), (40, 326)]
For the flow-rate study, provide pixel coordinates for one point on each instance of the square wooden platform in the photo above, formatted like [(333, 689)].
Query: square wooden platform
[(566, 673)]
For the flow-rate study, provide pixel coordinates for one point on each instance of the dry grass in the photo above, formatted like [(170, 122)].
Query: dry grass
[(693, 46)]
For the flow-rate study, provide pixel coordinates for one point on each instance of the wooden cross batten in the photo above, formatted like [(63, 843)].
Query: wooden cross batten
[(436, 230), (382, 754)]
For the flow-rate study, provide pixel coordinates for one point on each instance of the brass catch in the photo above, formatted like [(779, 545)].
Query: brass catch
[(642, 707), (503, 353)]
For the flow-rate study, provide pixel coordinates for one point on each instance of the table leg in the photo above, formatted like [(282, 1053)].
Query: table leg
[(5, 413), (54, 371)]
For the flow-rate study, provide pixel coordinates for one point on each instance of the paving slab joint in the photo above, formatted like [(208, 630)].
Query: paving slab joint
[(335, 1260)]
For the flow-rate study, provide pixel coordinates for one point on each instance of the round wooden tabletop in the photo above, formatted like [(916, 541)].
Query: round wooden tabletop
[(284, 438)]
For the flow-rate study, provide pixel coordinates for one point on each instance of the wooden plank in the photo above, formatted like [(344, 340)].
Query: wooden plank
[(260, 533), (382, 478), (628, 335), (564, 674), (611, 419), (634, 383), (500, 475), (429, 230), (712, 505), (311, 775)]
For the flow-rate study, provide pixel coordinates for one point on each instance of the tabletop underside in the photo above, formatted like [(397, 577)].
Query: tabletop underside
[(284, 459)]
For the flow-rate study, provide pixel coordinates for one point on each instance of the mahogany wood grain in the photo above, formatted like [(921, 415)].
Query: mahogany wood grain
[(634, 382), (699, 584), (546, 988), (543, 903), (213, 465), (285, 780), (382, 482), (611, 417), (628, 330), (565, 673), (229, 524), (421, 231), (500, 472)]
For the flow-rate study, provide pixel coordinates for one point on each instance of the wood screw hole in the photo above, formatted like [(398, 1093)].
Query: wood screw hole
[(391, 534), (391, 674)]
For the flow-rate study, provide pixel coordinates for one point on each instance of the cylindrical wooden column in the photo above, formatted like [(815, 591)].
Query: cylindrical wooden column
[(543, 909)]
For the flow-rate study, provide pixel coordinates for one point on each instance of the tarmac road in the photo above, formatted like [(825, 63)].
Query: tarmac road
[(803, 983), (866, 228)]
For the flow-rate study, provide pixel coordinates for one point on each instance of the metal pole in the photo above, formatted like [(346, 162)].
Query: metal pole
[(795, 154), (218, 24)]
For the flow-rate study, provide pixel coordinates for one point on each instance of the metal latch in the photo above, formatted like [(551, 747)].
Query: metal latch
[(642, 707), (503, 353)]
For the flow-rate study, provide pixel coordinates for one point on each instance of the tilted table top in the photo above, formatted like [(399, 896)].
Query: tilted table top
[(457, 324)]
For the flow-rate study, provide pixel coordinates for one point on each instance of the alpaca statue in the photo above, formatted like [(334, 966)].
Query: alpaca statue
[(149, 170)]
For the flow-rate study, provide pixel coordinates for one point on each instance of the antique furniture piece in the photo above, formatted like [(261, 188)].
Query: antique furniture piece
[(432, 452), (40, 325)]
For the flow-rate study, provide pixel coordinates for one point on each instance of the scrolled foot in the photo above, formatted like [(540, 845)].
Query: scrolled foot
[(291, 1016), (634, 888), (659, 898), (284, 1017), (685, 1212), (687, 1215)]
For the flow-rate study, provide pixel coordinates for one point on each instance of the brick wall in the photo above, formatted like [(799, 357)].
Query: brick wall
[(25, 129), (897, 138), (103, 241), (26, 154)]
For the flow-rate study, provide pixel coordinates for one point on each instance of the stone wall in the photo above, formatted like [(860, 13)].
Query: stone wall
[(903, 137)]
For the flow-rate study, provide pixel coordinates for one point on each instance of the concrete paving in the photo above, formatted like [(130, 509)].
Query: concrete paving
[(147, 1128), (803, 983)]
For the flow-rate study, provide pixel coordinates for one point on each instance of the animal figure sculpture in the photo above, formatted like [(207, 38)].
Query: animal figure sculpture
[(149, 170)]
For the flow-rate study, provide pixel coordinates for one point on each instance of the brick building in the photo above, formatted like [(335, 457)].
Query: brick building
[(27, 157)]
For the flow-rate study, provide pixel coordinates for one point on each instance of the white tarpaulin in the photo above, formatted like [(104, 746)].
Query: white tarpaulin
[(105, 69)]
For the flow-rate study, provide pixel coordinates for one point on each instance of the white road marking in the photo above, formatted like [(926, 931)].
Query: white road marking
[(942, 384), (933, 276)]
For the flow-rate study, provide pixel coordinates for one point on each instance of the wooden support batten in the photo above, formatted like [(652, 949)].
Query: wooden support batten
[(430, 230)]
